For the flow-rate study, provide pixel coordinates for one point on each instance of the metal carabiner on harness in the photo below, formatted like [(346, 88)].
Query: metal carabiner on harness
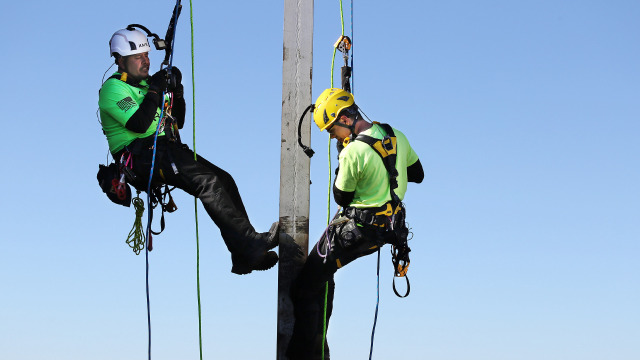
[(400, 259)]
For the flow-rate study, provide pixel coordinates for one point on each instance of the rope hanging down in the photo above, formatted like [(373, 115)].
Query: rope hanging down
[(344, 45), (195, 199), (168, 61)]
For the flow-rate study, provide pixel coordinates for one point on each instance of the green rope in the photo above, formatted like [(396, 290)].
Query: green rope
[(326, 287), (135, 240), (195, 199), (333, 58)]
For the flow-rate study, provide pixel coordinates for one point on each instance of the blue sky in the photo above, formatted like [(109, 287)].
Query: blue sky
[(525, 117)]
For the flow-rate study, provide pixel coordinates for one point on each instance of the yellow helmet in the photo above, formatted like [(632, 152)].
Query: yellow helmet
[(328, 106)]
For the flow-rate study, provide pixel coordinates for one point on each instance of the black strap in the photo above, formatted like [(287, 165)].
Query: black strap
[(365, 216), (346, 75), (389, 145), (408, 287), (386, 148), (159, 197)]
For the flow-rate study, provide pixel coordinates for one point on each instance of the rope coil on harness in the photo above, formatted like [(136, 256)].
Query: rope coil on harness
[(135, 240)]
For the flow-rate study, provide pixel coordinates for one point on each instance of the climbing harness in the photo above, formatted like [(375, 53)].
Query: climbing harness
[(161, 196), (395, 212)]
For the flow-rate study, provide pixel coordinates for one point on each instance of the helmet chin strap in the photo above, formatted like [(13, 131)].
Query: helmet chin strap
[(352, 129)]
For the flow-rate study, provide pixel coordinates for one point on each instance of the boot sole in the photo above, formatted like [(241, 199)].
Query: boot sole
[(241, 267)]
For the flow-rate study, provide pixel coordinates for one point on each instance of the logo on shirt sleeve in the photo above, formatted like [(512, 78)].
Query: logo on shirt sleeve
[(126, 103)]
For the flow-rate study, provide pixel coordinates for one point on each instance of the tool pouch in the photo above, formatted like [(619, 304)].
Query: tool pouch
[(349, 234), (398, 232), (109, 181)]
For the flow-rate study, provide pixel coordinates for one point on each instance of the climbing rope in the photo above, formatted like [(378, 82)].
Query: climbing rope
[(352, 82), (344, 44), (153, 159), (326, 288), (195, 199), (375, 318)]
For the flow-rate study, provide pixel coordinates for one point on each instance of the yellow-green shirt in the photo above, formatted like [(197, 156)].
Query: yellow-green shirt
[(362, 170), (118, 101)]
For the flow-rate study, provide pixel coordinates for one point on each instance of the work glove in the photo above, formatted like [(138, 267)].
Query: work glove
[(158, 82), (178, 92), (175, 83), (175, 78)]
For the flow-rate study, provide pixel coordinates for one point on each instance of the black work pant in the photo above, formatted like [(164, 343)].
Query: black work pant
[(215, 188), (309, 289)]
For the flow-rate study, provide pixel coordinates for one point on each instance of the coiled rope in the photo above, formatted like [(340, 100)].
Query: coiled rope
[(135, 240)]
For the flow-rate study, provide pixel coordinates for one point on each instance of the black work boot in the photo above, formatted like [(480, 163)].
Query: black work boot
[(242, 266), (257, 256), (271, 236)]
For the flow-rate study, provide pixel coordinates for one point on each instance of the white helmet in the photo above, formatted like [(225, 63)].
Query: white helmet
[(129, 42)]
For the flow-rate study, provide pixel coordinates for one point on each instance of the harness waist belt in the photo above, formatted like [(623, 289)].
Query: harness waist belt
[(366, 217)]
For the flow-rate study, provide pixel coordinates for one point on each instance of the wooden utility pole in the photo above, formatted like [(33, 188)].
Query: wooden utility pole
[(294, 164)]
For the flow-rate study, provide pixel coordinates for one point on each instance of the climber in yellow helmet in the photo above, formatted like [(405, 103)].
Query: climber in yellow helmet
[(375, 166)]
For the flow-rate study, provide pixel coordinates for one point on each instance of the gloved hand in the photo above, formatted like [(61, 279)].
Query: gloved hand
[(178, 92), (158, 82), (175, 79)]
